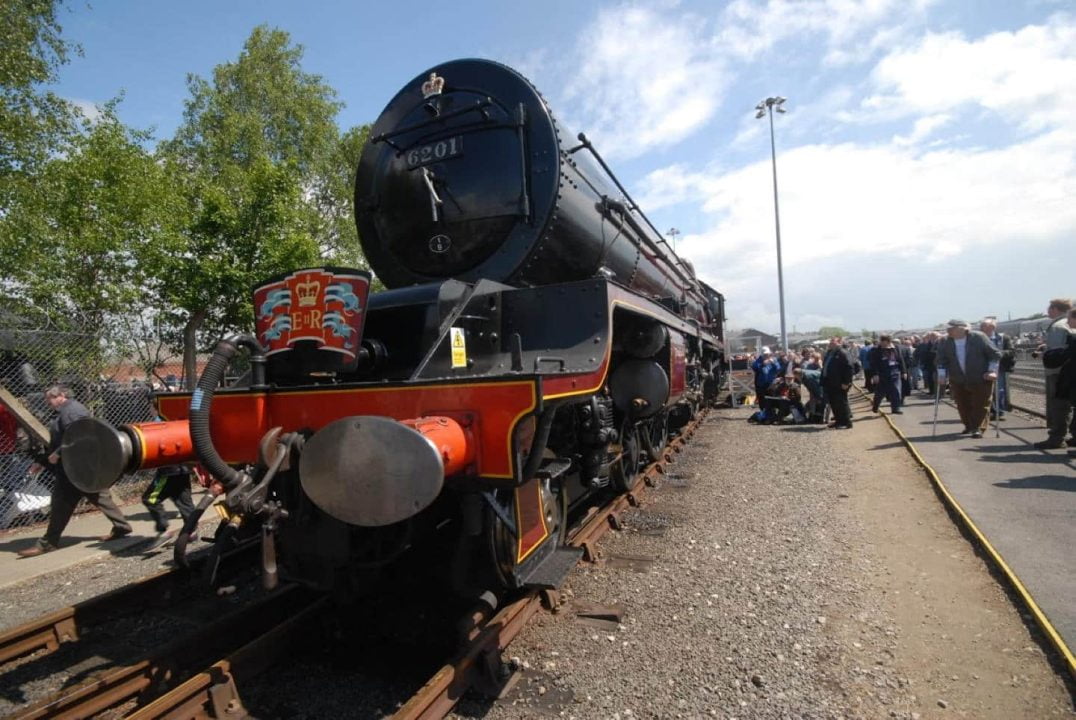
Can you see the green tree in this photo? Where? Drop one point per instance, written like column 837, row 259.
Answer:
column 832, row 331
column 34, row 124
column 257, row 161
column 85, row 240
column 335, row 198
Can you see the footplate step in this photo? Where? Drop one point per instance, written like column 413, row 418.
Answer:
column 554, row 569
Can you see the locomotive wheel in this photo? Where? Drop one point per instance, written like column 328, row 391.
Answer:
column 626, row 465
column 658, row 436
column 503, row 540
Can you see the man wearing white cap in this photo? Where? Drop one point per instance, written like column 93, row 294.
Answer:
column 969, row 361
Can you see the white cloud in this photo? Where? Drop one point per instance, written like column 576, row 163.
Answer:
column 645, row 80
column 951, row 150
column 649, row 76
column 924, row 127
column 750, row 28
column 1027, row 77
column 841, row 200
column 953, row 190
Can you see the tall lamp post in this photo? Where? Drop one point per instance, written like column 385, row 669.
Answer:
column 766, row 107
column 673, row 233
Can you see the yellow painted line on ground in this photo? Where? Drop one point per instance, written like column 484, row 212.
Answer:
column 999, row 562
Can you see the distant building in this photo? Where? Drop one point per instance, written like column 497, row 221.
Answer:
column 167, row 375
column 749, row 340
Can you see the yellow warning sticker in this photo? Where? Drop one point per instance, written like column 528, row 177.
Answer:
column 459, row 348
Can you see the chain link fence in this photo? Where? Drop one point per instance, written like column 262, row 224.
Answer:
column 112, row 388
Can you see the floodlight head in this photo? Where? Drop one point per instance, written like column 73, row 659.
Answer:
column 779, row 100
column 760, row 114
column 781, row 109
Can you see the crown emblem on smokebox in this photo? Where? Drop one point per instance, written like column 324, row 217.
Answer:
column 308, row 293
column 433, row 86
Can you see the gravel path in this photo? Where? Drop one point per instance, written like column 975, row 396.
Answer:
column 777, row 577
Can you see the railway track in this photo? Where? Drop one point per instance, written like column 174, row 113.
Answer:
column 140, row 620
column 1027, row 391
column 200, row 674
column 45, row 634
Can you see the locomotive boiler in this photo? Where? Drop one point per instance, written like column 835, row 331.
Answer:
column 538, row 341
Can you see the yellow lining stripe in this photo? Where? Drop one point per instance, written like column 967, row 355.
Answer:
column 1041, row 620
column 141, row 443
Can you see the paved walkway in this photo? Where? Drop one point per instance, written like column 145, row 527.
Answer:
column 79, row 542
column 1022, row 499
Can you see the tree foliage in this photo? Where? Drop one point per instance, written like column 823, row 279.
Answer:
column 257, row 180
column 832, row 331
column 86, row 238
column 33, row 123
column 257, row 159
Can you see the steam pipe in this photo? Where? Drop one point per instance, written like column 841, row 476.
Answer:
column 202, row 402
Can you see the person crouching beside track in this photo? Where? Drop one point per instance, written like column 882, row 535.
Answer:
column 969, row 361
column 836, row 379
column 812, row 380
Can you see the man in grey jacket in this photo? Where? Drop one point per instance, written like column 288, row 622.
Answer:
column 65, row 495
column 1058, row 410
column 969, row 361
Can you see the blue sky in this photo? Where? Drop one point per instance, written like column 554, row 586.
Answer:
column 926, row 166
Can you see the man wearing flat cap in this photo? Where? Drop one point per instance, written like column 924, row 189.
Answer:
column 969, row 361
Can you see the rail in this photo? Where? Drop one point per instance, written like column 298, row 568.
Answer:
column 162, row 670
column 66, row 625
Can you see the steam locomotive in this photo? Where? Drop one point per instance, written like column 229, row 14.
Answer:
column 538, row 341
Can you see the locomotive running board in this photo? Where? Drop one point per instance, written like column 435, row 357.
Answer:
column 551, row 572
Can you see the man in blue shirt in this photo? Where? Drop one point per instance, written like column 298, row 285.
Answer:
column 767, row 370
column 865, row 363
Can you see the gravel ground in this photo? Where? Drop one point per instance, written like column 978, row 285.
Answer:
column 786, row 572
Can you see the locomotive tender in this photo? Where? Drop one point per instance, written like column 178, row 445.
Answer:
column 538, row 342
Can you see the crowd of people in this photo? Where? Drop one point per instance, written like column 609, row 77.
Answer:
column 970, row 365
